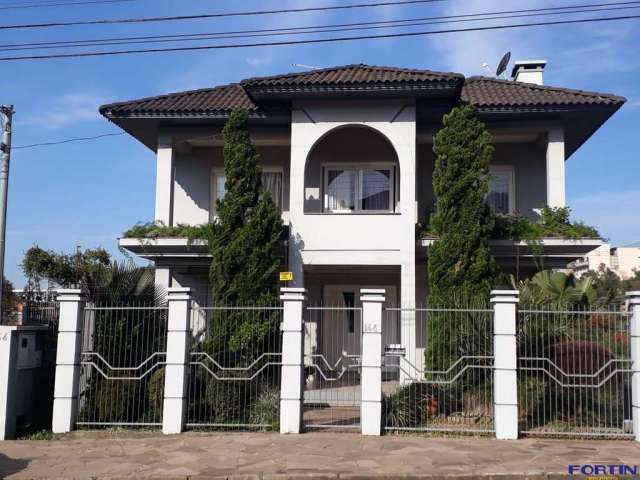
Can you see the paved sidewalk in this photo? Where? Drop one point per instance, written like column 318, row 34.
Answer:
column 310, row 456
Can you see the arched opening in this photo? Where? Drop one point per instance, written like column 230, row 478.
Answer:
column 352, row 169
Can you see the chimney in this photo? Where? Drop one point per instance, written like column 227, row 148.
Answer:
column 529, row 71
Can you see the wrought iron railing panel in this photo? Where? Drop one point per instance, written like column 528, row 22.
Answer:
column 235, row 361
column 574, row 369
column 438, row 374
column 122, row 365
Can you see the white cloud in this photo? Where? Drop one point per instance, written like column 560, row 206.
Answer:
column 614, row 213
column 66, row 110
column 465, row 52
column 221, row 66
column 573, row 50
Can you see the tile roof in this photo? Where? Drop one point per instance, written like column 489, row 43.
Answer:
column 493, row 92
column 479, row 91
column 352, row 74
column 218, row 100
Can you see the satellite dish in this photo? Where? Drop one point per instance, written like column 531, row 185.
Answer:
column 502, row 66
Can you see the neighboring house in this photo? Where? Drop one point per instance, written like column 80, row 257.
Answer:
column 347, row 154
column 623, row 261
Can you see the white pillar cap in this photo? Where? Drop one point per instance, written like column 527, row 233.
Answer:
column 293, row 293
column 178, row 293
column 372, row 295
column 505, row 296
column 70, row 295
column 633, row 297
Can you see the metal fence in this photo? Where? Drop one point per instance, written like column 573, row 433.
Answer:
column 122, row 357
column 332, row 360
column 235, row 361
column 574, row 372
column 445, row 382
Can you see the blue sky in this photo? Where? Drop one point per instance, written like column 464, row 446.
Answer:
column 88, row 193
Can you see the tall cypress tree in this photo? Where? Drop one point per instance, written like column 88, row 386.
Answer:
column 460, row 267
column 245, row 239
column 460, row 261
column 248, row 229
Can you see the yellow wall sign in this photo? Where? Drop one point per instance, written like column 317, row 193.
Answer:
column 286, row 276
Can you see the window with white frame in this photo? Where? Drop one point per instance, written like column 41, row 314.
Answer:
column 272, row 181
column 359, row 188
column 502, row 189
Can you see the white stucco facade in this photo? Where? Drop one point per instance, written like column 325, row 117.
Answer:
column 333, row 130
column 352, row 238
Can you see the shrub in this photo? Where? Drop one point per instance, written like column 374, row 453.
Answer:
column 266, row 409
column 553, row 222
column 411, row 405
column 155, row 394
column 152, row 230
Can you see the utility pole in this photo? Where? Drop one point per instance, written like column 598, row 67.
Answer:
column 5, row 156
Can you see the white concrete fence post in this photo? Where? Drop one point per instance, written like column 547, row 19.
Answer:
column 292, row 368
column 371, row 363
column 505, row 375
column 8, row 362
column 17, row 379
column 177, row 364
column 633, row 303
column 65, row 395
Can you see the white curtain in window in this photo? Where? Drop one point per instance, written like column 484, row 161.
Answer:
column 341, row 190
column 272, row 182
column 499, row 191
column 221, row 190
column 375, row 189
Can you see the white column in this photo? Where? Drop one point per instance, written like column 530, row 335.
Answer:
column 164, row 181
column 176, row 368
column 410, row 362
column 505, row 378
column 65, row 401
column 555, row 167
column 371, row 375
column 292, row 369
column 633, row 302
column 162, row 278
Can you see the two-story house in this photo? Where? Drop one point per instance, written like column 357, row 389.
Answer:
column 347, row 154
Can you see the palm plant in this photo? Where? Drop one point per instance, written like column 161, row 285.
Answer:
column 119, row 282
column 556, row 289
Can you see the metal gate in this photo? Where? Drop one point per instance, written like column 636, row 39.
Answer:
column 235, row 362
column 574, row 370
column 122, row 356
column 332, row 361
column 445, row 382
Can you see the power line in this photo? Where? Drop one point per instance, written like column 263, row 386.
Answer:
column 345, row 27
column 319, row 40
column 68, row 140
column 216, row 15
column 18, row 6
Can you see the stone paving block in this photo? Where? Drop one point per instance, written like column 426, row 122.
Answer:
column 300, row 476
